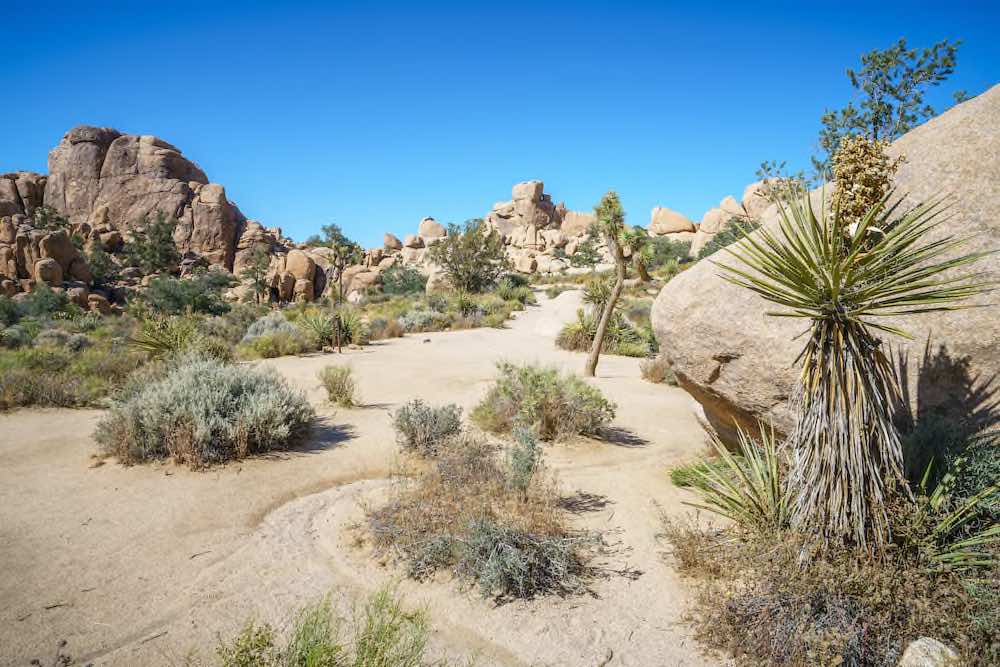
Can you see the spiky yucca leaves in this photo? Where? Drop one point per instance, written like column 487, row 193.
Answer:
column 749, row 489
column 846, row 281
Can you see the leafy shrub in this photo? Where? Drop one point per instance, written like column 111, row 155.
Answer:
column 422, row 320
column 554, row 405
column 733, row 231
column 555, row 290
column 472, row 258
column 663, row 251
column 52, row 338
column 203, row 412
column 423, row 428
column 9, row 312
column 63, row 377
column 152, row 246
column 523, row 459
column 508, row 291
column 321, row 326
column 339, row 384
column 165, row 336
column 382, row 634
column 381, row 329
column 43, row 302
column 403, row 279
column 274, row 336
column 657, row 370
column 471, row 513
column 688, row 475
column 201, row 293
column 353, row 328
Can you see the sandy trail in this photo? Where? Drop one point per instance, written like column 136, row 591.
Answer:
column 149, row 565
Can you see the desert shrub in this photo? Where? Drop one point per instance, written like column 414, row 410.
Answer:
column 15, row 336
column 553, row 404
column 43, row 302
column 320, row 326
column 338, row 381
column 467, row 513
column 523, row 459
column 165, row 336
column 202, row 412
column 380, row 329
column 555, row 290
column 200, row 293
column 689, row 474
column 764, row 601
column 274, row 336
column 353, row 328
column 472, row 258
column 508, row 291
column 423, row 428
column 50, row 376
column 152, row 246
column 657, row 370
column 438, row 302
column 622, row 337
column 733, row 231
column 9, row 313
column 422, row 320
column 52, row 338
column 382, row 634
column 663, row 251
column 403, row 279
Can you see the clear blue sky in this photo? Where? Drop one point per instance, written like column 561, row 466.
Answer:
column 373, row 116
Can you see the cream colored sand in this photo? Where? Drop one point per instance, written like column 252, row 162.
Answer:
column 150, row 564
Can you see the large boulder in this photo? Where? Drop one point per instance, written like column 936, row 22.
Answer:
column 391, row 242
column 663, row 220
column 100, row 173
column 49, row 272
column 21, row 192
column 300, row 265
column 739, row 363
column 576, row 223
column 431, row 229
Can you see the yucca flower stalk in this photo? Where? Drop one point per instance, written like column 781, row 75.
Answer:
column 847, row 280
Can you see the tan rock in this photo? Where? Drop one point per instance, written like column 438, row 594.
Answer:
column 528, row 191
column 48, row 271
column 413, row 255
column 391, row 242
column 57, row 246
column 80, row 270
column 431, row 229
column 576, row 223
column 8, row 287
column 713, row 221
column 413, row 241
column 732, row 208
column 928, row 652
column 740, row 364
column 300, row 265
column 663, row 220
column 525, row 263
column 303, row 290
column 98, row 303
column 79, row 296
column 8, row 230
column 8, row 263
column 284, row 283
column 754, row 199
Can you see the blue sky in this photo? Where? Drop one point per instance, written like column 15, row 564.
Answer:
column 375, row 115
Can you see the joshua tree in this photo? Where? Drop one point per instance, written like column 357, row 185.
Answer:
column 847, row 281
column 611, row 221
column 637, row 241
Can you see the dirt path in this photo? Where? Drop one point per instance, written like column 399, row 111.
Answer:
column 149, row 565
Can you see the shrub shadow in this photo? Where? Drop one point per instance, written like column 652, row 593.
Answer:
column 622, row 437
column 950, row 409
column 322, row 436
column 582, row 502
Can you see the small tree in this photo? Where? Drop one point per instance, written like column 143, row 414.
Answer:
column 472, row 256
column 255, row 273
column 102, row 267
column 152, row 247
column 586, row 255
column 611, row 222
column 892, row 84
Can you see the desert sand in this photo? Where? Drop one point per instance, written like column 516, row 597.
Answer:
column 149, row 565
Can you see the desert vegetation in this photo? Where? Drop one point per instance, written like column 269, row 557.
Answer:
column 201, row 411
column 553, row 404
column 488, row 513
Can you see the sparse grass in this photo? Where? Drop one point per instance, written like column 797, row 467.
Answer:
column 423, row 428
column 203, row 411
column 487, row 518
column 553, row 404
column 381, row 634
column 340, row 386
column 687, row 475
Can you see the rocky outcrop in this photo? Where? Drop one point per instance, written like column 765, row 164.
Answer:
column 664, row 221
column 21, row 193
column 106, row 178
column 739, row 363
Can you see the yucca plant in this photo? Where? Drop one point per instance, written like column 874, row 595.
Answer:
column 321, row 326
column 846, row 280
column 978, row 549
column 749, row 489
column 160, row 336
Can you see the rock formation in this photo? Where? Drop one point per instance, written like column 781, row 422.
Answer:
column 739, row 363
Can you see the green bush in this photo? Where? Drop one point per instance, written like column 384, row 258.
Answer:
column 274, row 336
column 663, row 251
column 43, row 302
column 52, row 376
column 423, row 428
column 472, row 258
column 339, row 384
column 201, row 293
column 152, row 246
column 621, row 337
column 552, row 404
column 9, row 312
column 203, row 412
column 401, row 279
column 523, row 459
